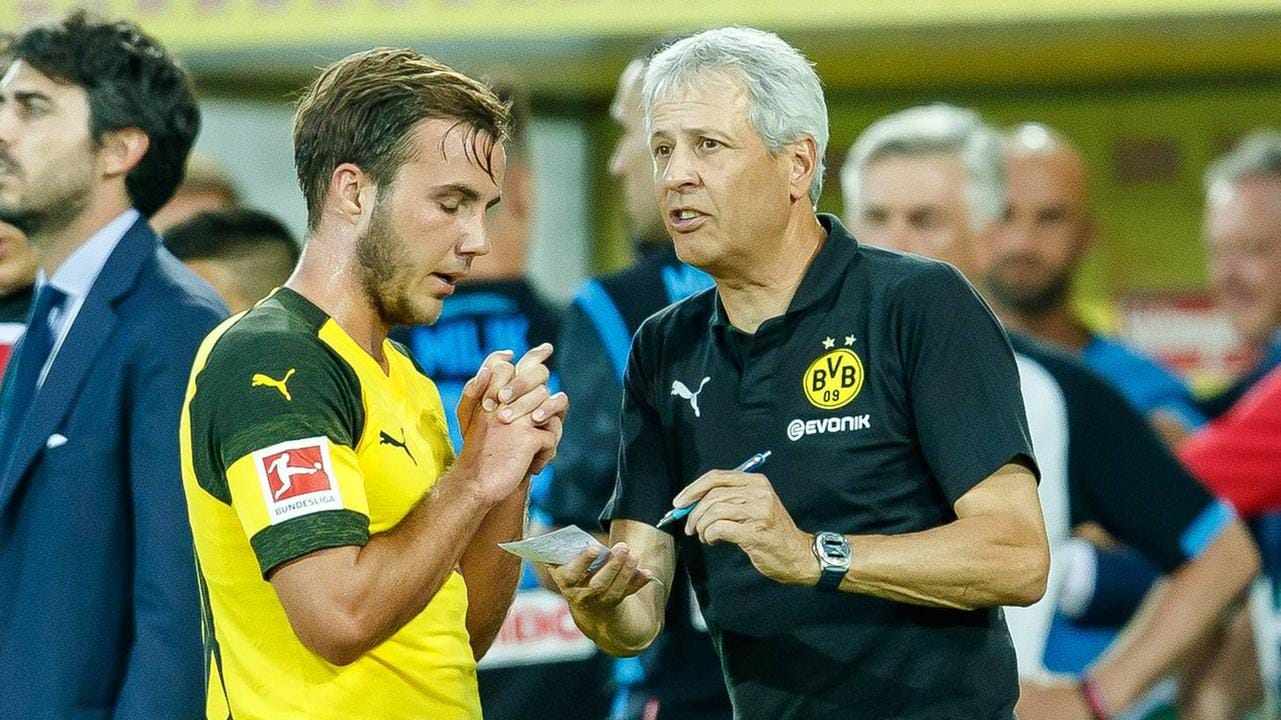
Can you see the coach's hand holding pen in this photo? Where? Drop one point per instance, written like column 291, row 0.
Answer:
column 749, row 465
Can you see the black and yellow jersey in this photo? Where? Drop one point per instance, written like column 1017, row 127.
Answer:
column 294, row 439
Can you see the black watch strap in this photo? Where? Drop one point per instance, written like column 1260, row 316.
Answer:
column 830, row 580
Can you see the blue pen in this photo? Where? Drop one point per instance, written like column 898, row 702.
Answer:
column 750, row 464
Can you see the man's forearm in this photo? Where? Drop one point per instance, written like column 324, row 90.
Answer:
column 377, row 589
column 630, row 626
column 493, row 574
column 1177, row 618
column 969, row 563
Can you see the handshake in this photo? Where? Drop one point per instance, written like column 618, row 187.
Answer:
column 511, row 422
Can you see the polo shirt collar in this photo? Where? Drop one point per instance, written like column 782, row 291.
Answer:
column 823, row 276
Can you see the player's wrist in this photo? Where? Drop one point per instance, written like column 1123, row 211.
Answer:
column 464, row 483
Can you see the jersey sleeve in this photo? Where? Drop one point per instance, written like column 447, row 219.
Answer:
column 961, row 379
column 1124, row 477
column 281, row 417
column 1238, row 456
column 644, row 488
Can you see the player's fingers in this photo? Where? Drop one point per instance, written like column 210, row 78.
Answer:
column 503, row 372
column 544, row 457
column 524, row 381
column 725, row 509
column 535, row 356
column 555, row 407
column 524, row 404
column 472, row 393
column 704, row 506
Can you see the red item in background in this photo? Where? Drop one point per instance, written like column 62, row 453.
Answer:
column 9, row 334
column 1238, row 456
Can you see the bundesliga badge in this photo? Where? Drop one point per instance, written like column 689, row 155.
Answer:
column 835, row 378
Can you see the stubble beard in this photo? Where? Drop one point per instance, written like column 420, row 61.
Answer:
column 385, row 285
column 1032, row 302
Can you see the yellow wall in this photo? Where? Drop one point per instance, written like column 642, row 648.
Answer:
column 1149, row 232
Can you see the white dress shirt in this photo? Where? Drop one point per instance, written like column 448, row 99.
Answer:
column 76, row 276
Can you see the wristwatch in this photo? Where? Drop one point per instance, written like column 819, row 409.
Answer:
column 833, row 553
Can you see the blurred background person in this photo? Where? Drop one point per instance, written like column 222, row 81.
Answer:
column 931, row 180
column 497, row 307
column 679, row 677
column 243, row 254
column 207, row 186
column 17, row 278
column 1031, row 259
column 1243, row 233
column 100, row 613
column 1034, row 257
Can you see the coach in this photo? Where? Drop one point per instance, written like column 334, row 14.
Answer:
column 861, row 568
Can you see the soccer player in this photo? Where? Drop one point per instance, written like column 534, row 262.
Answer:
column 499, row 307
column 360, row 575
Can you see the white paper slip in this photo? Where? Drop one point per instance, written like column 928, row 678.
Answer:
column 556, row 548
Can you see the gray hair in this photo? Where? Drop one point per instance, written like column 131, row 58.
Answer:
column 931, row 129
column 1258, row 155
column 784, row 95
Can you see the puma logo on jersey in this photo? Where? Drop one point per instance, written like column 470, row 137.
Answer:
column 679, row 388
column 260, row 380
column 385, row 439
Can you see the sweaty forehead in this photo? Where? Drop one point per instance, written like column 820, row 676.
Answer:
column 448, row 152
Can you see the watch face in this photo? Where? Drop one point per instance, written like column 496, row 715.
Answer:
column 834, row 547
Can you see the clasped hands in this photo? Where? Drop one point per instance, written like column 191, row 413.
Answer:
column 511, row 422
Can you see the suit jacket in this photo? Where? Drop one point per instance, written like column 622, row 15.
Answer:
column 99, row 608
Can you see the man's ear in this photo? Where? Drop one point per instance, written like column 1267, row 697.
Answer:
column 802, row 164
column 121, row 150
column 351, row 197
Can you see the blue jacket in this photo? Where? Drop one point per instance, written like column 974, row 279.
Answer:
column 99, row 609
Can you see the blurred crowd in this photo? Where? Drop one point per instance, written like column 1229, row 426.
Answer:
column 1126, row 449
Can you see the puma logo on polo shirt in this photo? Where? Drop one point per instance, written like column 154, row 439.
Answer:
column 679, row 388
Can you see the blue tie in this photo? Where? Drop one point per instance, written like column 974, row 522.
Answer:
column 28, row 361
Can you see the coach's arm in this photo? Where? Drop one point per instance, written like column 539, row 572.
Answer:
column 994, row 553
column 621, row 605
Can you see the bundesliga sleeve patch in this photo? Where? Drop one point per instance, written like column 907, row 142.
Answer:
column 297, row 478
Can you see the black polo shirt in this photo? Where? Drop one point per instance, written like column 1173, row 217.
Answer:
column 885, row 392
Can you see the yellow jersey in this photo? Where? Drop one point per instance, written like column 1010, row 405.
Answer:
column 293, row 439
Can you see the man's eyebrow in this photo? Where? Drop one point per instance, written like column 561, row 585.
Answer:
column 467, row 192
column 26, row 96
